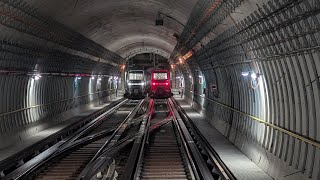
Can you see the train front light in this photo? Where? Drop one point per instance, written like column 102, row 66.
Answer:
column 136, row 84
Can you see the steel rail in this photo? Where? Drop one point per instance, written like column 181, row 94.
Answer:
column 65, row 149
column 140, row 155
column 144, row 141
column 184, row 145
column 218, row 163
column 31, row 151
column 293, row 134
column 104, row 154
column 198, row 163
column 121, row 128
column 28, row 166
column 138, row 146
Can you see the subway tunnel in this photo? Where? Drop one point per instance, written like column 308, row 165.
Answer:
column 247, row 72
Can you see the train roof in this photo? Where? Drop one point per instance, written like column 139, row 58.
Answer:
column 160, row 70
column 135, row 71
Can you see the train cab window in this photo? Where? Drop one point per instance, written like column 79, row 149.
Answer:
column 136, row 76
column 160, row 76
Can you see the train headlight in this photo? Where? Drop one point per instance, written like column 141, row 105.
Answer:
column 136, row 84
column 140, row 84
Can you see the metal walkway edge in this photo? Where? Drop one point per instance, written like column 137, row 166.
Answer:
column 239, row 164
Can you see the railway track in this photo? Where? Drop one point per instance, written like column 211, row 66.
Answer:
column 67, row 161
column 10, row 164
column 71, row 164
column 172, row 149
column 145, row 140
column 163, row 158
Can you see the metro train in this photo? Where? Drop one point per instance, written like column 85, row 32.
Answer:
column 140, row 83
column 160, row 84
column 135, row 85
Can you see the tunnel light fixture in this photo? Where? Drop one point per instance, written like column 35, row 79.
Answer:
column 123, row 67
column 188, row 55
column 37, row 77
column 254, row 76
column 180, row 60
column 245, row 74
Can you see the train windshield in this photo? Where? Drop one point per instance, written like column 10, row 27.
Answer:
column 138, row 75
column 160, row 76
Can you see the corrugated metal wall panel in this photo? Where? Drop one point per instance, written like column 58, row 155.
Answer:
column 49, row 95
column 281, row 41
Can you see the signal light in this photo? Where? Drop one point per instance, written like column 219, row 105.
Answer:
column 167, row 84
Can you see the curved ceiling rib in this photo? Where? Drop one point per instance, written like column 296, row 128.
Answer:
column 104, row 21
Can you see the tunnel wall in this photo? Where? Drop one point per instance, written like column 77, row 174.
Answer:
column 27, row 102
column 280, row 41
column 33, row 43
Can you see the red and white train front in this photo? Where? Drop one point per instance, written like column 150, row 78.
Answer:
column 160, row 84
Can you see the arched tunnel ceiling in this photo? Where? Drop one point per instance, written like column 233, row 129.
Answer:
column 277, row 41
column 117, row 24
